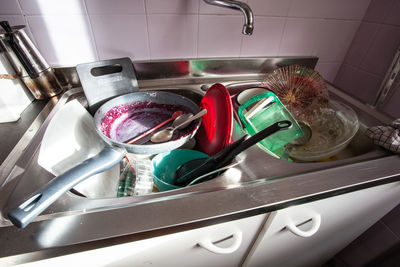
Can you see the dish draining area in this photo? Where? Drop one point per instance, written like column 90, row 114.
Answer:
column 258, row 183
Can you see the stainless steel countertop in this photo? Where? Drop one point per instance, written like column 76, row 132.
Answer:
column 257, row 185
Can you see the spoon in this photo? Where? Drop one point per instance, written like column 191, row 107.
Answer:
column 307, row 133
column 174, row 116
column 182, row 118
column 166, row 134
column 302, row 140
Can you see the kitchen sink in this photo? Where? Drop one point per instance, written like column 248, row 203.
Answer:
column 254, row 164
column 258, row 181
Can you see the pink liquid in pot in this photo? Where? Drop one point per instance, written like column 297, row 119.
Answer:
column 124, row 122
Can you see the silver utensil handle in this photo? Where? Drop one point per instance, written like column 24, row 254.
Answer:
column 44, row 197
column 195, row 117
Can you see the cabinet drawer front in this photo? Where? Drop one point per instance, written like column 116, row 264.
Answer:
column 311, row 233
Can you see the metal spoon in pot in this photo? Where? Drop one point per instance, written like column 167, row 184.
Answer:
column 182, row 118
column 166, row 134
column 174, row 116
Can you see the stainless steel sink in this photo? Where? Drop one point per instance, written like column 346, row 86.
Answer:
column 258, row 183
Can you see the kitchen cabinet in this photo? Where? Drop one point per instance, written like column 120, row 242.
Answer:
column 302, row 235
column 224, row 244
column 311, row 233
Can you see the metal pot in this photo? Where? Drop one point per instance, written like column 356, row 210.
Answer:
column 111, row 154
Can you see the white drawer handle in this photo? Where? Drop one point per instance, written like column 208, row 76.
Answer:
column 316, row 223
column 237, row 240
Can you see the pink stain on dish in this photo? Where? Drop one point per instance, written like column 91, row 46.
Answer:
column 124, row 122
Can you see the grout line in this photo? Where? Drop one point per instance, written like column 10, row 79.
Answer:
column 91, row 30
column 11, row 14
column 360, row 69
column 281, row 39
column 150, row 57
column 24, row 16
column 20, row 7
column 382, row 23
column 198, row 29
column 389, row 229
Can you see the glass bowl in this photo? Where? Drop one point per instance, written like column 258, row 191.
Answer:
column 333, row 127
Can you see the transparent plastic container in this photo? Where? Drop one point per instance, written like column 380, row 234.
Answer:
column 144, row 174
column 136, row 178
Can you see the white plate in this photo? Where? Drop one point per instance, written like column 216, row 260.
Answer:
column 248, row 93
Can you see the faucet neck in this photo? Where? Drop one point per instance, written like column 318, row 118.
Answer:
column 243, row 7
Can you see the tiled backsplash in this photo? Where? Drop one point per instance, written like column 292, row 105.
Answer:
column 69, row 32
column 371, row 53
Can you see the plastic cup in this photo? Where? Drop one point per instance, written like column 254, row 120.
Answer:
column 166, row 164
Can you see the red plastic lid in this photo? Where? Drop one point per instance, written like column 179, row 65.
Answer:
column 215, row 132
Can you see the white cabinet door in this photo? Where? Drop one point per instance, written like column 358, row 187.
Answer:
column 310, row 234
column 224, row 244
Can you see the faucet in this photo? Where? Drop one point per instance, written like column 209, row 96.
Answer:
column 246, row 10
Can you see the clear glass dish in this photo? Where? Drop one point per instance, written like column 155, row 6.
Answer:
column 333, row 127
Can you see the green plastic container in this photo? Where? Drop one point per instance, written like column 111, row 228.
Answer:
column 166, row 164
column 262, row 110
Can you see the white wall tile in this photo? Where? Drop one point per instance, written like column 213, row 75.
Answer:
column 173, row 36
column 270, row 7
column 393, row 16
column 333, row 38
column 115, row 6
column 298, row 37
column 13, row 20
column 172, row 6
column 345, row 9
column 338, row 9
column 328, row 70
column 171, row 29
column 378, row 10
column 307, row 8
column 121, row 36
column 9, row 7
column 382, row 50
column 362, row 41
column 266, row 37
column 51, row 7
column 63, row 40
column 219, row 36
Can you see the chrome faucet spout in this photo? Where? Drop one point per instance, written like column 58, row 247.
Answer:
column 246, row 10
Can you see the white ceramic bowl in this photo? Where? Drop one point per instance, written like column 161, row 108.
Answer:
column 243, row 96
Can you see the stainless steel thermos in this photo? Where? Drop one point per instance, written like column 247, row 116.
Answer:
column 28, row 63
